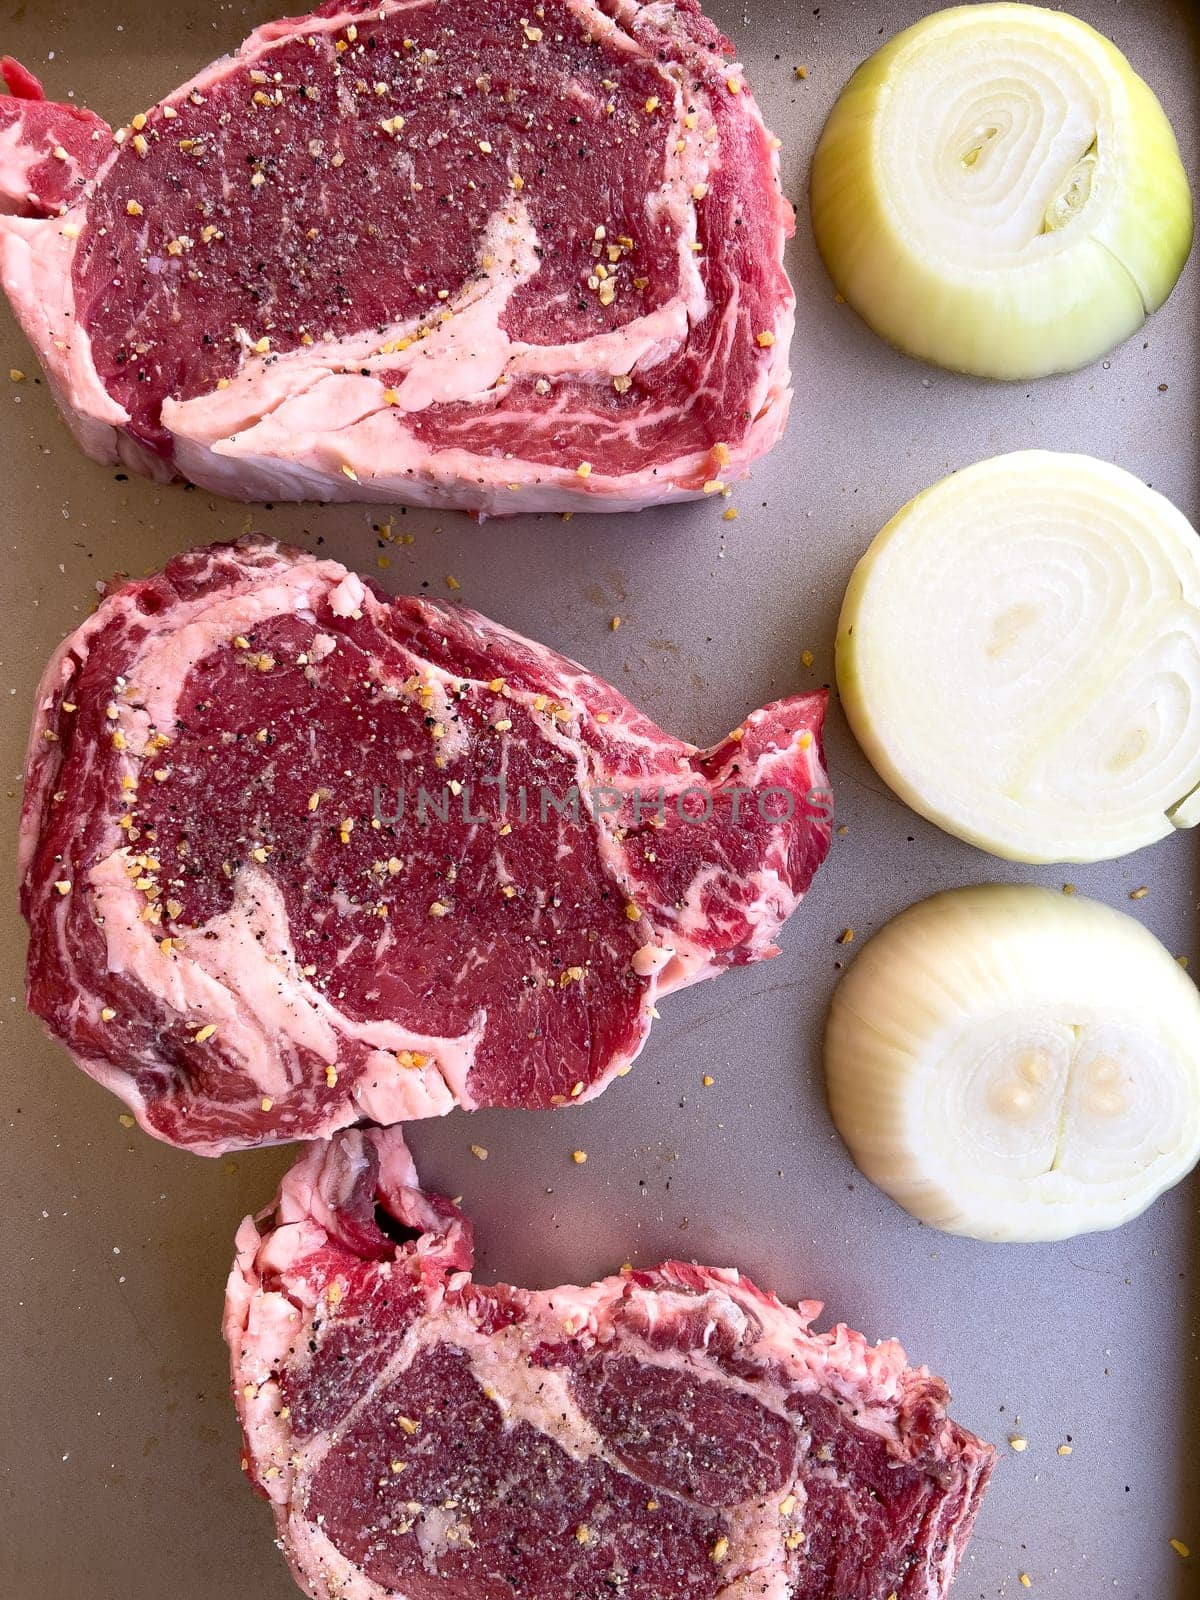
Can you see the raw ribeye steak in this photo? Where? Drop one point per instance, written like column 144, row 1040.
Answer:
column 673, row 1434
column 499, row 256
column 297, row 855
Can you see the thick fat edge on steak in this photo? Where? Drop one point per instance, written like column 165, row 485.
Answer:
column 195, row 1032
column 687, row 1414
column 318, row 422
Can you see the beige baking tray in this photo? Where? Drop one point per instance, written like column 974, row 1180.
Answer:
column 120, row 1475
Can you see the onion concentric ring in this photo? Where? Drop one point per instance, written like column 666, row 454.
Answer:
column 1019, row 657
column 997, row 191
column 1013, row 1064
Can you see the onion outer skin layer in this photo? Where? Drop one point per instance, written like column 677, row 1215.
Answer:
column 1012, row 1064
column 1018, row 654
column 924, row 240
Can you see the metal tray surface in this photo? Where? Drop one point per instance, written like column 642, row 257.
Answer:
column 120, row 1475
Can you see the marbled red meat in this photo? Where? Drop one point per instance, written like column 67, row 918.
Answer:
column 672, row 1434
column 417, row 250
column 47, row 152
column 296, row 854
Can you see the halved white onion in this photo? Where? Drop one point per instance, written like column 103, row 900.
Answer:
column 997, row 191
column 1019, row 657
column 1014, row 1064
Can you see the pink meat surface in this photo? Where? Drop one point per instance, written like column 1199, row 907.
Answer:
column 446, row 254
column 672, row 1434
column 296, row 854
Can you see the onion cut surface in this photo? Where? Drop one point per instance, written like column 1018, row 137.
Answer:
column 1014, row 1064
column 997, row 191
column 1018, row 655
